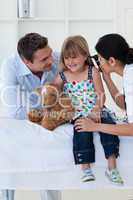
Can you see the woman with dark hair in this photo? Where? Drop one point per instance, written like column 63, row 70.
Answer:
column 115, row 55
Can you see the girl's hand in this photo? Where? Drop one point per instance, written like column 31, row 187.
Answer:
column 96, row 114
column 85, row 124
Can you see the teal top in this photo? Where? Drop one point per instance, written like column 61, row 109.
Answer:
column 82, row 94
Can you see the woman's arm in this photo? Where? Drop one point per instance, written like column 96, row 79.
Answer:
column 118, row 129
column 99, row 89
column 117, row 97
column 85, row 124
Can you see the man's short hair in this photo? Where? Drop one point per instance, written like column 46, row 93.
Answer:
column 29, row 44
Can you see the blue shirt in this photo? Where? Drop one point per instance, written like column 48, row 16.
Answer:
column 17, row 83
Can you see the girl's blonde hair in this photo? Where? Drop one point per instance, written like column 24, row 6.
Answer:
column 73, row 46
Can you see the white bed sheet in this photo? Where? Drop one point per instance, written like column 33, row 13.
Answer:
column 33, row 157
column 27, row 147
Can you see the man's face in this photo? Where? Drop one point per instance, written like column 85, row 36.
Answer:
column 42, row 60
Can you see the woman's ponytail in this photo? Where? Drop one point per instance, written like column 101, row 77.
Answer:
column 114, row 45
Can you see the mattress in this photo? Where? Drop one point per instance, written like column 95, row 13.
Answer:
column 32, row 157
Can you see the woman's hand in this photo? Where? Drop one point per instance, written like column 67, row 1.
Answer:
column 85, row 124
column 106, row 76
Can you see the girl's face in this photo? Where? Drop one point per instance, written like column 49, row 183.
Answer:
column 75, row 63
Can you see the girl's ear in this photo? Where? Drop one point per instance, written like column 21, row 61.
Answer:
column 86, row 59
column 112, row 61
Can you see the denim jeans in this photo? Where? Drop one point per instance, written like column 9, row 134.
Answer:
column 83, row 146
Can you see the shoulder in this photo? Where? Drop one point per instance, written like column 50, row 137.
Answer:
column 9, row 70
column 56, row 56
column 128, row 79
column 8, row 65
column 9, row 60
column 95, row 72
column 128, row 73
column 58, row 81
column 55, row 65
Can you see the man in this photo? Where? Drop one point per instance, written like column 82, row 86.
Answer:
column 31, row 66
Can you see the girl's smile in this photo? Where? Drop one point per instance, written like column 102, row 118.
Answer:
column 75, row 63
